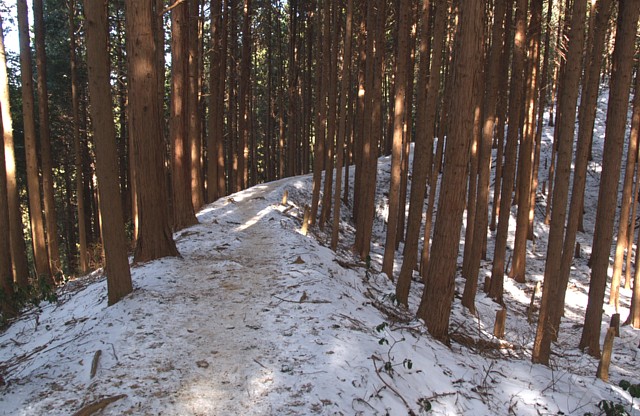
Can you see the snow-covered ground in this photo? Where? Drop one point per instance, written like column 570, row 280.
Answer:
column 258, row 319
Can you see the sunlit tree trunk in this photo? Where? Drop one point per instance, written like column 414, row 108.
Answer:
column 6, row 275
column 16, row 236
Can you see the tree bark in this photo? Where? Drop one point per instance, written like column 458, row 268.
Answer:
column 183, row 206
column 155, row 239
column 627, row 201
column 112, row 223
column 16, row 236
column 45, row 143
column 427, row 101
column 43, row 271
column 612, row 155
column 518, row 265
column 435, row 307
column 345, row 84
column 6, row 275
column 556, row 243
column 77, row 145
column 484, row 176
column 508, row 172
column 404, row 36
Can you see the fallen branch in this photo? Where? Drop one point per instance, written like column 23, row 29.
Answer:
column 94, row 363
column 374, row 358
column 98, row 405
column 301, row 300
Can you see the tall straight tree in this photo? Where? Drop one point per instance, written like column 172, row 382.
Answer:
column 332, row 40
column 215, row 138
column 404, row 35
column 16, row 236
column 484, row 174
column 6, row 275
column 33, row 183
column 154, row 236
column 427, row 101
column 508, row 172
column 183, row 208
column 112, row 223
column 345, row 83
column 525, row 169
column 622, row 65
column 552, row 299
column 603, row 12
column 193, row 104
column 45, row 141
column 243, row 98
column 321, row 107
column 77, row 145
column 435, row 306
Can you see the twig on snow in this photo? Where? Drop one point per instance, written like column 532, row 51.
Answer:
column 374, row 358
column 98, row 405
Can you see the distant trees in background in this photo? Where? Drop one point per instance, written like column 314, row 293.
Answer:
column 258, row 90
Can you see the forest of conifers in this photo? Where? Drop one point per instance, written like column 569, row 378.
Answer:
column 122, row 119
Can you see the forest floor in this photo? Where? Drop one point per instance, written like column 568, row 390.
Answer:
column 257, row 319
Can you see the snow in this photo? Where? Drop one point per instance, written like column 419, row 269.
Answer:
column 259, row 319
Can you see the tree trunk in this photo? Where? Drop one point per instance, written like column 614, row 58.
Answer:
column 16, row 236
column 243, row 99
column 435, row 307
column 612, row 155
column 112, row 223
column 402, row 58
column 183, row 208
column 6, row 275
column 45, row 143
column 541, row 106
column 484, row 176
column 155, row 239
column 77, row 146
column 428, row 99
column 41, row 256
column 193, row 105
column 557, row 245
column 345, row 84
column 518, row 265
column 501, row 115
column 627, row 200
column 332, row 92
column 508, row 173
column 321, row 110
column 216, row 104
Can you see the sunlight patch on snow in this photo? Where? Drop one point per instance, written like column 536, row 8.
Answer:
column 253, row 220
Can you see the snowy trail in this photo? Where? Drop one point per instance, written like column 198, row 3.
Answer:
column 245, row 323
